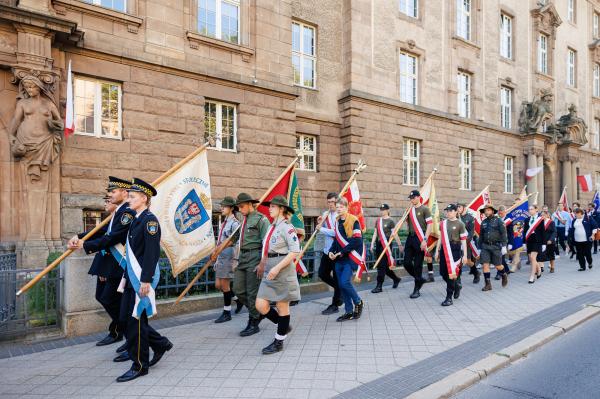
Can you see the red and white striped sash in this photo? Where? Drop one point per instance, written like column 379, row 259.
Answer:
column 452, row 265
column 547, row 224
column 353, row 255
column 415, row 224
column 383, row 241
column 474, row 248
column 532, row 228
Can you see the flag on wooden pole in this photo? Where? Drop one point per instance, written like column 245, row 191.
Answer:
column 69, row 111
column 523, row 194
column 482, row 199
column 429, row 199
column 585, row 182
column 355, row 208
column 564, row 201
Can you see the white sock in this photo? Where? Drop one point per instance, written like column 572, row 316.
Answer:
column 227, row 308
column 280, row 337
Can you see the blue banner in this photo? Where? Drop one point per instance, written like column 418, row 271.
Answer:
column 596, row 201
column 517, row 214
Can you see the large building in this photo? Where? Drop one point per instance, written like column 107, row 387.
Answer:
column 480, row 90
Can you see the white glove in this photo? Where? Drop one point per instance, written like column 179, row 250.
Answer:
column 509, row 247
column 543, row 248
column 503, row 250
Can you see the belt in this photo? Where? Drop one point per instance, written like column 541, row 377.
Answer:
column 455, row 242
column 250, row 250
column 491, row 243
column 275, row 255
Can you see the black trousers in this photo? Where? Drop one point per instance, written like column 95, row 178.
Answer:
column 584, row 253
column 450, row 284
column 413, row 259
column 383, row 268
column 562, row 240
column 110, row 299
column 140, row 335
column 328, row 276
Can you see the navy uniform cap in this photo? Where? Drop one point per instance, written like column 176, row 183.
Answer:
column 451, row 207
column 115, row 182
column 384, row 207
column 142, row 187
column 413, row 194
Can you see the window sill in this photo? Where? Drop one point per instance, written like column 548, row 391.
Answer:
column 465, row 43
column 408, row 18
column 119, row 138
column 508, row 61
column 222, row 150
column 545, row 76
column 306, row 87
column 574, row 89
column 133, row 23
column 195, row 40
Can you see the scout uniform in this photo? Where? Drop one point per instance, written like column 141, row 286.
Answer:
column 245, row 283
column 452, row 234
column 227, row 259
column 280, row 240
column 472, row 251
column 492, row 240
column 142, row 253
column 419, row 218
column 383, row 231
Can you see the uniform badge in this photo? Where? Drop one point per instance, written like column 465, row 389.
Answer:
column 295, row 238
column 152, row 227
column 126, row 219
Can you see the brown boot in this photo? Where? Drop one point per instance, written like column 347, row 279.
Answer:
column 487, row 286
column 504, row 280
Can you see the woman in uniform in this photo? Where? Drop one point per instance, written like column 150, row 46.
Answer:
column 549, row 245
column 383, row 229
column 225, row 262
column 534, row 239
column 279, row 282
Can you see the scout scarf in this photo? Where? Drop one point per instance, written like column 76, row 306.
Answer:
column 267, row 240
column 415, row 224
column 383, row 241
column 533, row 226
column 353, row 255
column 134, row 271
column 452, row 265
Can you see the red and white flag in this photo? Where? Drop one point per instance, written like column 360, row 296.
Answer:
column 69, row 120
column 482, row 199
column 564, row 200
column 355, row 208
column 532, row 172
column 585, row 182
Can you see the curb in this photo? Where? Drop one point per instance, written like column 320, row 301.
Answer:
column 463, row 379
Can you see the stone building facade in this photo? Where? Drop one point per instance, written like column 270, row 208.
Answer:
column 480, row 90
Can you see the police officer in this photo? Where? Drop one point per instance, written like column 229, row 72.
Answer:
column 108, row 263
column 279, row 283
column 250, row 268
column 469, row 222
column 451, row 251
column 419, row 229
column 492, row 243
column 225, row 260
column 143, row 252
column 383, row 229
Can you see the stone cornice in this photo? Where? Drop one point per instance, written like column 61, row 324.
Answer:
column 25, row 17
column 195, row 40
column 132, row 22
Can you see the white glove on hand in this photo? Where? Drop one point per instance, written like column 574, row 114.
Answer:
column 509, row 247
column 503, row 250
column 543, row 248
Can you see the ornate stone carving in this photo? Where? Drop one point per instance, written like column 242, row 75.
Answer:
column 546, row 19
column 535, row 113
column 573, row 129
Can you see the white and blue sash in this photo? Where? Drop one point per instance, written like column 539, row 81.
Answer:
column 116, row 250
column 134, row 272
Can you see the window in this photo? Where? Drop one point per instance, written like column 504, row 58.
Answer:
column 595, row 135
column 596, row 25
column 465, row 168
column 506, row 107
column 117, row 5
column 310, row 223
column 463, row 19
column 464, row 95
column 92, row 218
column 97, row 108
column 542, row 59
column 410, row 162
column 597, row 180
column 219, row 19
column 304, row 58
column 220, row 125
column 571, row 64
column 571, row 10
column 307, row 145
column 409, row 7
column 505, row 36
column 596, row 85
column 508, row 174
column 408, row 78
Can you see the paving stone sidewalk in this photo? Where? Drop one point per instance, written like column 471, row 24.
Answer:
column 322, row 358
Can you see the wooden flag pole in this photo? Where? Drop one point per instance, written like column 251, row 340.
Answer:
column 226, row 243
column 68, row 252
column 359, row 168
column 399, row 224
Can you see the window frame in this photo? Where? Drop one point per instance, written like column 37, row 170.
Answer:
column 407, row 76
column 572, row 11
column 506, row 107
column 218, row 23
column 509, row 176
column 301, row 161
column 463, row 167
column 596, row 80
column 464, row 19
column 303, row 55
column 506, row 36
column 595, row 139
column 99, row 4
column 464, row 94
column 542, row 54
column 595, row 25
column 219, row 125
column 98, row 108
column 571, row 67
column 408, row 161
column 415, row 7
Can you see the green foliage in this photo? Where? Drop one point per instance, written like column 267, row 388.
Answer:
column 41, row 299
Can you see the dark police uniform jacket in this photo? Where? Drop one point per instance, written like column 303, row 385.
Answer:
column 492, row 232
column 144, row 240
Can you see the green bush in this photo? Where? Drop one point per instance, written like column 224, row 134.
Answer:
column 44, row 292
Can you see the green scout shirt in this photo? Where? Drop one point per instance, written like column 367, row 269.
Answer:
column 423, row 217
column 255, row 229
column 388, row 226
column 456, row 229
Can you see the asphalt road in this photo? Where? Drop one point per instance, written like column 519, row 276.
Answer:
column 568, row 367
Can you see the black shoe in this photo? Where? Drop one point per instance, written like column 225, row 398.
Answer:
column 123, row 357
column 358, row 309
column 590, row 265
column 238, row 306
column 159, row 354
column 542, row 269
column 430, row 278
column 505, row 279
column 122, row 348
column 377, row 289
column 345, row 316
column 294, row 303
column 396, row 282
column 132, row 374
column 477, row 277
column 415, row 294
column 487, row 286
column 274, row 347
column 581, row 269
column 251, row 329
column 109, row 340
column 339, row 303
column 531, row 281
column 331, row 309
column 225, row 316
column 528, row 262
column 457, row 291
column 497, row 277
column 447, row 302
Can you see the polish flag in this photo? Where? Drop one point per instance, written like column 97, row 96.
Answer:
column 355, row 208
column 585, row 182
column 69, row 122
column 564, row 200
column 532, row 172
column 479, row 202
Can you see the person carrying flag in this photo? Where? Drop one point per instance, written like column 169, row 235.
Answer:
column 469, row 222
column 492, row 241
column 550, row 241
column 419, row 229
column 383, row 228
column 451, row 251
column 534, row 241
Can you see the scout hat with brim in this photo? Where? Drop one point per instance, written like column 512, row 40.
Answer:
column 115, row 182
column 228, row 201
column 280, row 200
column 488, row 206
column 140, row 186
column 243, row 197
